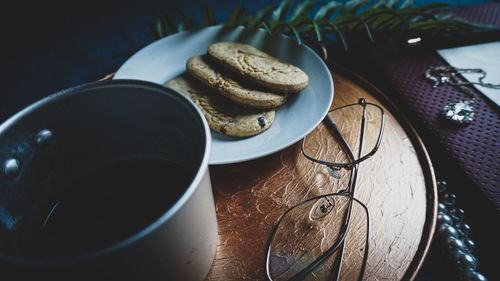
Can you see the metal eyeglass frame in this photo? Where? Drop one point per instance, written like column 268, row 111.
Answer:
column 348, row 192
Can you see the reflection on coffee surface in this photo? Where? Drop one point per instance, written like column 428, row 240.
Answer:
column 109, row 205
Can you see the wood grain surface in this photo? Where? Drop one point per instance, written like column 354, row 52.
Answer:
column 397, row 184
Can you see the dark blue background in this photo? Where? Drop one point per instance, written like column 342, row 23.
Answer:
column 51, row 46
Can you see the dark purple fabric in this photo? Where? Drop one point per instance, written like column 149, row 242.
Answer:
column 475, row 148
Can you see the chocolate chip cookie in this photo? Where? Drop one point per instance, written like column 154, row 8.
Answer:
column 259, row 67
column 223, row 115
column 237, row 90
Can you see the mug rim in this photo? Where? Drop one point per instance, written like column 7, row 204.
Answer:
column 202, row 168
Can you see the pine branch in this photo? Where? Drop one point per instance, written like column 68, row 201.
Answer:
column 309, row 18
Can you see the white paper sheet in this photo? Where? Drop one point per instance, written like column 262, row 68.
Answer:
column 485, row 56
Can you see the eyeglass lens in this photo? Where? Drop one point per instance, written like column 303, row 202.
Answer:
column 312, row 229
column 350, row 122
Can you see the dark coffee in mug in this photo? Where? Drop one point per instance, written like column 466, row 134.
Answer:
column 109, row 205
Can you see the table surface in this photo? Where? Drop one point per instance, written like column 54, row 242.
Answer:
column 397, row 184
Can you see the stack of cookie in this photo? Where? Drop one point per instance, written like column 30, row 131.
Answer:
column 238, row 87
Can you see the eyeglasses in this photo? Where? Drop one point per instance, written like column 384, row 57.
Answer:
column 314, row 232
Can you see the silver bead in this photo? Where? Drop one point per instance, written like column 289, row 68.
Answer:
column 457, row 213
column 462, row 226
column 469, row 244
column 447, row 230
column 442, row 208
column 441, row 186
column 444, row 219
column 44, row 138
column 11, row 168
column 449, row 199
column 472, row 275
column 454, row 244
column 465, row 260
column 461, row 235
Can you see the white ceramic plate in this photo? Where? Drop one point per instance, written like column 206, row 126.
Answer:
column 166, row 59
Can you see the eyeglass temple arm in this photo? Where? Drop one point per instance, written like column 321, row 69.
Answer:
column 363, row 102
column 379, row 140
column 362, row 127
column 352, row 183
column 353, row 180
column 350, row 190
column 338, row 136
column 338, row 260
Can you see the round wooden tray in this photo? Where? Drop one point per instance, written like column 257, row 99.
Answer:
column 397, row 184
